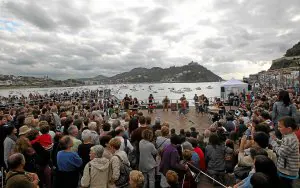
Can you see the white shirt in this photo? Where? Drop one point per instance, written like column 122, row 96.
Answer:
column 122, row 147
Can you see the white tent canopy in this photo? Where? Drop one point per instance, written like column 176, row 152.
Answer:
column 233, row 86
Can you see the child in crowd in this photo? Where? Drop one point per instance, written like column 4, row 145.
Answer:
column 194, row 133
column 45, row 139
column 287, row 151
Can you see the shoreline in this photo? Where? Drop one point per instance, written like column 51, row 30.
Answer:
column 32, row 86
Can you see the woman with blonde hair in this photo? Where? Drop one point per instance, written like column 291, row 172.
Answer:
column 23, row 146
column 118, row 159
column 136, row 179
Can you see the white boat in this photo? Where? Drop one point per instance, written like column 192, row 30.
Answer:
column 209, row 87
column 186, row 89
column 198, row 88
column 177, row 91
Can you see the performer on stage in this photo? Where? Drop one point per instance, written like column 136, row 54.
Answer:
column 150, row 103
column 166, row 102
column 126, row 102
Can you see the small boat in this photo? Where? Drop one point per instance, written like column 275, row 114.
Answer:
column 177, row 91
column 198, row 88
column 186, row 89
column 209, row 87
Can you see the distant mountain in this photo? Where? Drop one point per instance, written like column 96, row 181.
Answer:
column 193, row 72
column 294, row 51
column 96, row 78
column 290, row 58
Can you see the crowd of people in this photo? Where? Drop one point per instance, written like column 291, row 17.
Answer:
column 76, row 144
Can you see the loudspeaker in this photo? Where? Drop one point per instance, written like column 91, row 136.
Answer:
column 222, row 89
column 249, row 87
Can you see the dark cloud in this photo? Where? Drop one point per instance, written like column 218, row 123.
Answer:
column 31, row 13
column 68, row 39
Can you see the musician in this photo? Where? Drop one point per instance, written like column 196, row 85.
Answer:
column 135, row 103
column 150, row 103
column 166, row 102
column 126, row 102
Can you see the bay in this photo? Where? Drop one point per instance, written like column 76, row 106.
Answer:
column 140, row 91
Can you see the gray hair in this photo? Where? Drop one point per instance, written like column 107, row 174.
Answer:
column 116, row 123
column 187, row 145
column 71, row 129
column 114, row 116
column 92, row 126
column 15, row 160
column 123, row 116
column 86, row 135
column 98, row 150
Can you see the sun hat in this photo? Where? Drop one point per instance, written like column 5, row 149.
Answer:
column 23, row 130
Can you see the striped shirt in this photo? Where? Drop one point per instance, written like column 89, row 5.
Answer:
column 287, row 151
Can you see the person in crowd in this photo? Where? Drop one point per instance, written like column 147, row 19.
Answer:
column 133, row 124
column 287, row 151
column 194, row 133
column 163, row 140
column 265, row 165
column 171, row 160
column 119, row 158
column 73, row 132
column 214, row 157
column 136, row 135
column 136, row 179
column 157, row 124
column 96, row 172
column 9, row 142
column 200, row 153
column 125, row 143
column 189, row 180
column 68, row 164
column 23, row 146
column 166, row 102
column 45, row 139
column 84, row 148
column 283, row 107
column 172, row 179
column 17, row 176
column 23, row 131
column 94, row 135
column 147, row 162
column 195, row 159
column 105, row 129
column 104, row 140
column 42, row 160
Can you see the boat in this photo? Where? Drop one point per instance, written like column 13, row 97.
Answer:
column 209, row 87
column 186, row 89
column 177, row 91
column 198, row 88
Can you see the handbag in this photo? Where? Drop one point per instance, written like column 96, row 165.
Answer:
column 124, row 174
column 241, row 172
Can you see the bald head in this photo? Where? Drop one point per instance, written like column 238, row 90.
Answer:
column 15, row 161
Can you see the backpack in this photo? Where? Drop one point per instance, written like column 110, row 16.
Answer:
column 131, row 155
column 124, row 174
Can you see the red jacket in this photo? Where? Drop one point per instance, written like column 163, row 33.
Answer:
column 202, row 158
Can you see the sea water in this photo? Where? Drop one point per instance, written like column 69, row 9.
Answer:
column 140, row 91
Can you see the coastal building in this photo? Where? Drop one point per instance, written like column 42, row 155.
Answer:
column 6, row 83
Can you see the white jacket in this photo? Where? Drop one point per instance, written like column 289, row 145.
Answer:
column 96, row 173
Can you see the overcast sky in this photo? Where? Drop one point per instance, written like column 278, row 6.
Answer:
column 85, row 38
